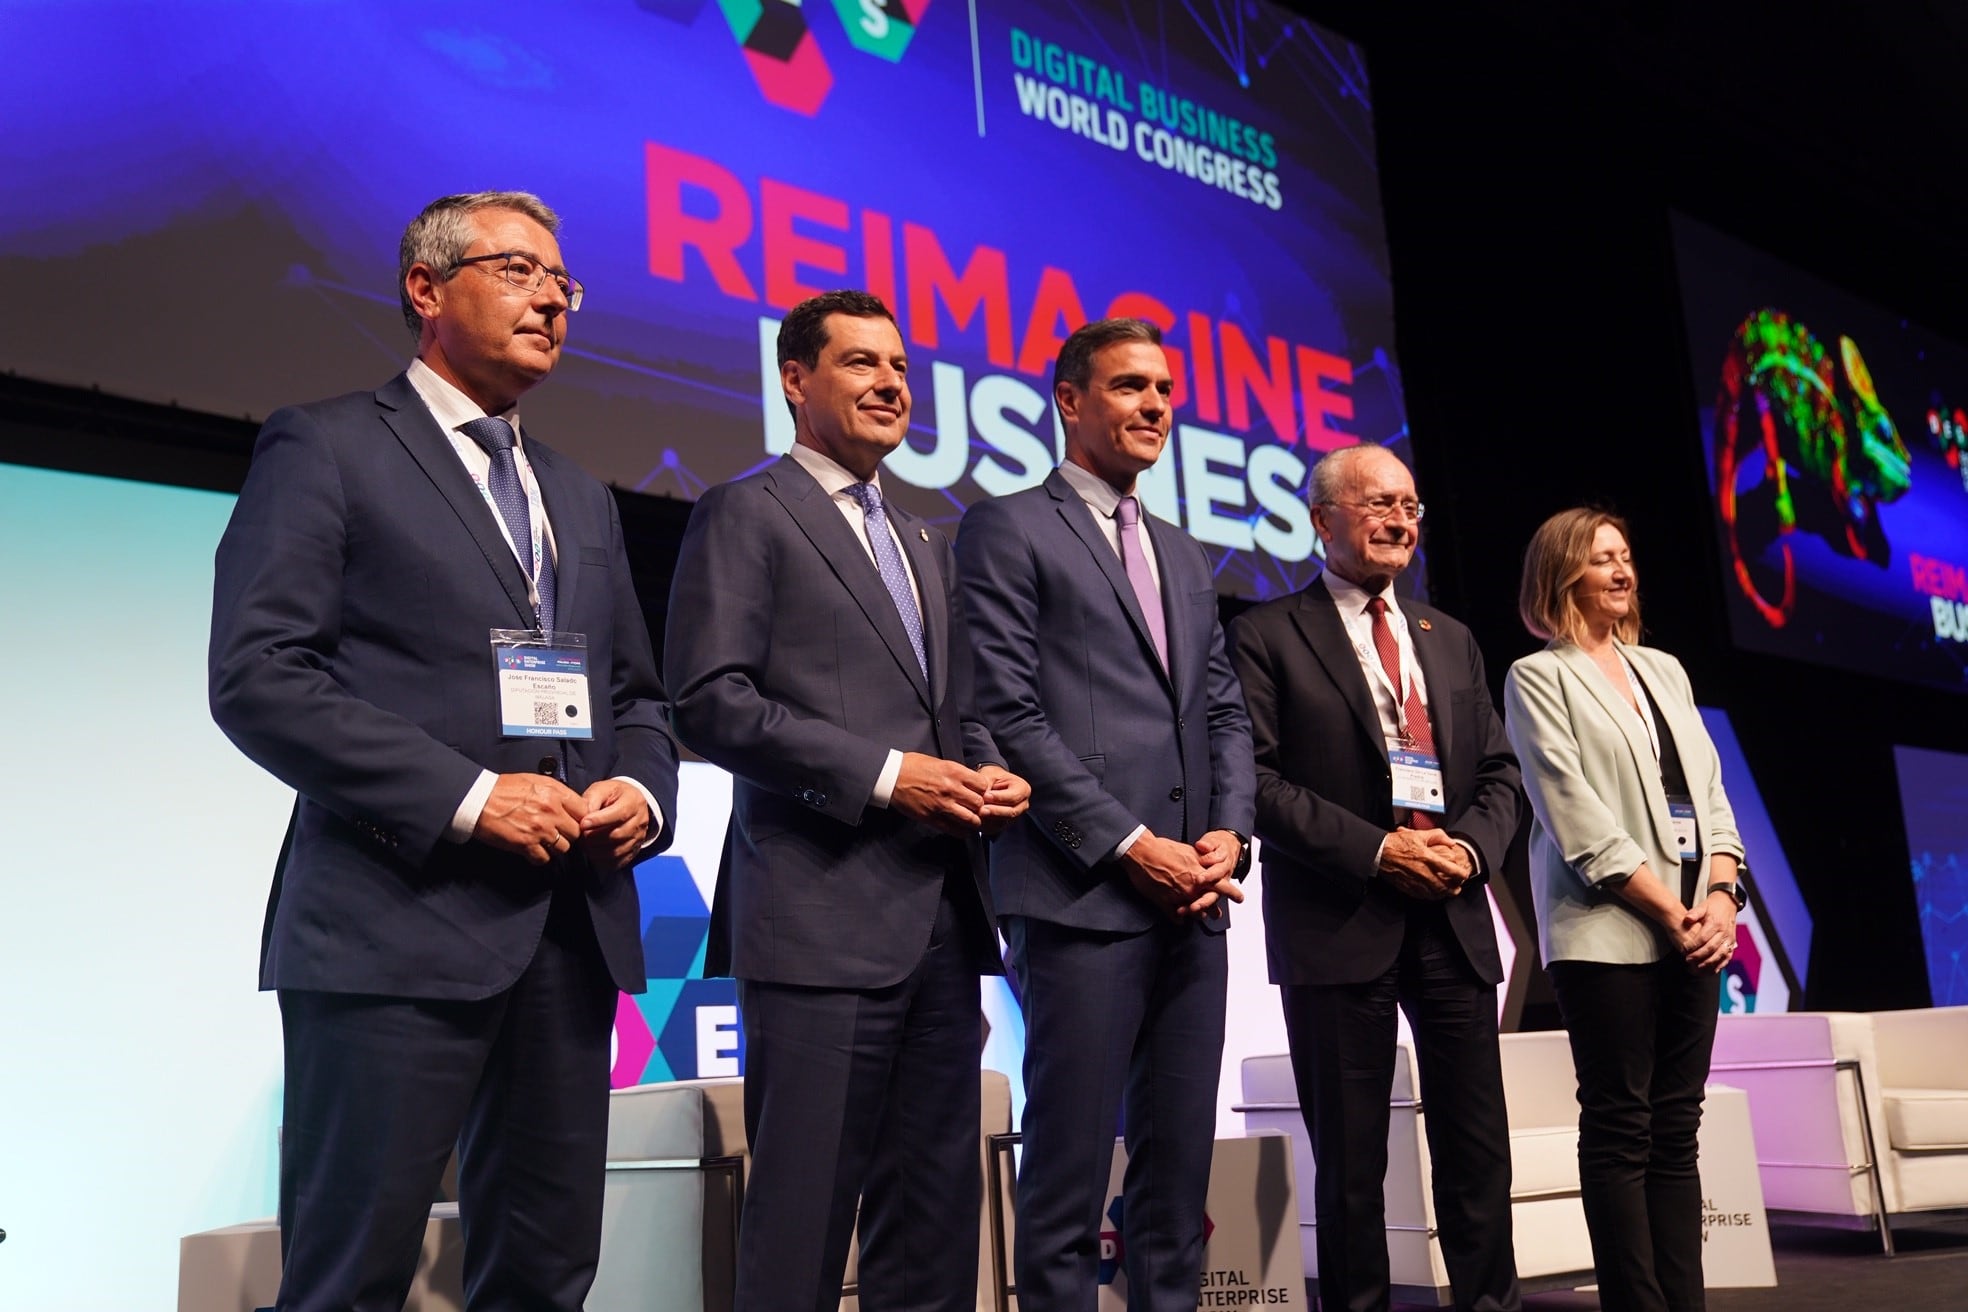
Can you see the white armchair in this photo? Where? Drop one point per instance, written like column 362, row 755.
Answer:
column 1858, row 1117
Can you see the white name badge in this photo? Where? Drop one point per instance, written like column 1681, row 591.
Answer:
column 543, row 684
column 1683, row 815
column 1417, row 781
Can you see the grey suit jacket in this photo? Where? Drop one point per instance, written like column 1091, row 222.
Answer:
column 1595, row 791
column 1077, row 700
column 792, row 670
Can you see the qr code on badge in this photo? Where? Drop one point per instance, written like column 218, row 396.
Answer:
column 546, row 713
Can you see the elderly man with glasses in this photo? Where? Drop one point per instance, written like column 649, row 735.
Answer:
column 1386, row 795
column 423, row 623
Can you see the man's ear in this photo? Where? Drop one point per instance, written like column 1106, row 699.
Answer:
column 1067, row 398
column 425, row 289
column 792, row 381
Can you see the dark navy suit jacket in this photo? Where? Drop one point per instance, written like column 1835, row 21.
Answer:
column 357, row 586
column 792, row 670
column 1070, row 685
column 1325, row 796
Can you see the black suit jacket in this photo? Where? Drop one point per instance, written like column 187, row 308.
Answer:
column 1324, row 795
column 356, row 587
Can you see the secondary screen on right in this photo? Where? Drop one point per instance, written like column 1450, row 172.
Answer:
column 1834, row 435
column 1934, row 801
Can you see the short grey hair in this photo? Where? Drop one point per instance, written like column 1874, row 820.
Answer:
column 1336, row 472
column 1075, row 362
column 439, row 235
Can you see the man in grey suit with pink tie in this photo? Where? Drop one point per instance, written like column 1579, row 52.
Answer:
column 819, row 653
column 1103, row 678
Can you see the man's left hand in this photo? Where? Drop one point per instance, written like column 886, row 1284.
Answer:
column 1005, row 799
column 616, row 824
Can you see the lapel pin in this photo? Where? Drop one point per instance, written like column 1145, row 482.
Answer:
column 1424, row 624
column 924, row 533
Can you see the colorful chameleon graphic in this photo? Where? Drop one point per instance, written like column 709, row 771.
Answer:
column 1808, row 428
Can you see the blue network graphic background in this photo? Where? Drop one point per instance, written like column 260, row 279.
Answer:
column 1934, row 800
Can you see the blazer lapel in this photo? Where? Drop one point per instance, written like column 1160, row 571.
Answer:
column 933, row 588
column 410, row 419
column 556, row 497
column 1317, row 617
column 1079, row 517
column 1429, row 657
column 1630, row 729
column 841, row 548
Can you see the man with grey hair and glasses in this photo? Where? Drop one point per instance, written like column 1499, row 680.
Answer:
column 423, row 623
column 1386, row 795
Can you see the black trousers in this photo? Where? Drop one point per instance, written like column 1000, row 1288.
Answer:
column 1641, row 1041
column 868, row 1094
column 380, row 1089
column 1118, row 1027
column 1342, row 1049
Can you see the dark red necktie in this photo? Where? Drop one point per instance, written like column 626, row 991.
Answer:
column 1415, row 730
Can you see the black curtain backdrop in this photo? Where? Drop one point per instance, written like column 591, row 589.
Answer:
column 1530, row 153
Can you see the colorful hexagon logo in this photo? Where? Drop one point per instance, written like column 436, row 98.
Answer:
column 881, row 27
column 777, row 44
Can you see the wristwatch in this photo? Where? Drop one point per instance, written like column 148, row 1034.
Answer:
column 1243, row 854
column 1733, row 887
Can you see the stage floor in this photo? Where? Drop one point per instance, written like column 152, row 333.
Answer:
column 1823, row 1269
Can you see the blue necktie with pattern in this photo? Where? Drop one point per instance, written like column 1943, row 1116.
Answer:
column 498, row 440
column 888, row 559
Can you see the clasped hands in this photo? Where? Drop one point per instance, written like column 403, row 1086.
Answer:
column 953, row 798
column 539, row 817
column 1707, row 935
column 1425, row 863
column 1186, row 880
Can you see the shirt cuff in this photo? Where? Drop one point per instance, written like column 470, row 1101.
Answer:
column 1121, row 848
column 1475, row 857
column 885, row 781
column 655, row 811
column 1374, row 872
column 464, row 820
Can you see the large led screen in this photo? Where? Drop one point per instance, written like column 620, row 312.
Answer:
column 205, row 202
column 1934, row 803
column 1834, row 434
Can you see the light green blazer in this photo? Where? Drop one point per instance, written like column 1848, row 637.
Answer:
column 1599, row 811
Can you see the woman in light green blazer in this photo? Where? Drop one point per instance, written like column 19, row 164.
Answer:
column 1635, row 864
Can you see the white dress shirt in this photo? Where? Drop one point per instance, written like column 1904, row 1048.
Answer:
column 1103, row 501
column 1352, row 599
column 453, row 410
column 834, row 479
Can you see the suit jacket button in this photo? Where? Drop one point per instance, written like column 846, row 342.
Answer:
column 1175, row 793
column 819, row 799
column 808, row 796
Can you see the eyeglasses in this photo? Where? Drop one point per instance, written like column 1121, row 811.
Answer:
column 1387, row 507
column 528, row 274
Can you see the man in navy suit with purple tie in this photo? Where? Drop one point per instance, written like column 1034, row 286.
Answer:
column 423, row 622
column 1103, row 678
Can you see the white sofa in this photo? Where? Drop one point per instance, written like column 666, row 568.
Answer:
column 650, row 1222
column 1859, row 1117
column 1552, row 1247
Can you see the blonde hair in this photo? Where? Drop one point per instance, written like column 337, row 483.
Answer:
column 1554, row 562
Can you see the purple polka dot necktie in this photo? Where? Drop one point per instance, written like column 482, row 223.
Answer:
column 888, row 560
column 509, row 495
column 1128, row 515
